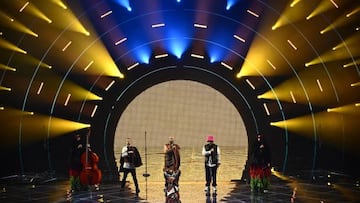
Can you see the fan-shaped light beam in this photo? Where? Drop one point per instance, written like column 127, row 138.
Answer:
column 328, row 128
column 59, row 3
column 5, row 67
column 8, row 45
column 12, row 117
column 341, row 21
column 33, row 10
column 15, row 25
column 316, row 85
column 350, row 50
column 291, row 14
column 64, row 18
column 324, row 5
column 353, row 63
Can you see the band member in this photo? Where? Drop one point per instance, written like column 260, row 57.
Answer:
column 78, row 148
column 260, row 159
column 130, row 160
column 211, row 151
column 172, row 159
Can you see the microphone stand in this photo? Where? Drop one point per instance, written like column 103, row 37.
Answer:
column 146, row 174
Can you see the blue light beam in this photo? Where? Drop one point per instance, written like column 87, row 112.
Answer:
column 124, row 3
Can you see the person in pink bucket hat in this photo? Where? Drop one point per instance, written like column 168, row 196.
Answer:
column 211, row 152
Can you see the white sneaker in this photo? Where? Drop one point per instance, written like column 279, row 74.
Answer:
column 207, row 189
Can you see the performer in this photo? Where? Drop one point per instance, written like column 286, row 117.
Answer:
column 172, row 160
column 211, row 151
column 260, row 172
column 130, row 160
column 78, row 148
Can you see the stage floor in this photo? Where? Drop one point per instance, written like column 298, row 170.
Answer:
column 323, row 188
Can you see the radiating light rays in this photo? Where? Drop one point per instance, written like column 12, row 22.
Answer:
column 292, row 14
column 15, row 25
column 103, row 62
column 257, row 60
column 352, row 42
column 294, row 2
column 14, row 118
column 10, row 46
column 345, row 50
column 74, row 44
column 315, row 87
column 59, row 3
column 66, row 19
column 331, row 128
column 2, row 88
column 5, row 67
column 352, row 64
column 353, row 12
column 32, row 9
column 350, row 109
column 28, row 61
column 51, row 126
column 88, row 53
column 340, row 22
column 324, row 5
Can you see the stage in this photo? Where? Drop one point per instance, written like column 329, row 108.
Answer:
column 322, row 187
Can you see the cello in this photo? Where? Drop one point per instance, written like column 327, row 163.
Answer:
column 90, row 173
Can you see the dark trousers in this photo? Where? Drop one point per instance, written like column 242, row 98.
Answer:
column 210, row 174
column 133, row 173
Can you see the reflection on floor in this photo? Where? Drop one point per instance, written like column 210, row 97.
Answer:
column 323, row 187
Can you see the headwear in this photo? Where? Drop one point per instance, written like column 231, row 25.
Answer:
column 210, row 138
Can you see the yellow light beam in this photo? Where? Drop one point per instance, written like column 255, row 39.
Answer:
column 78, row 93
column 312, row 86
column 324, row 5
column 15, row 25
column 294, row 2
column 291, row 14
column 8, row 45
column 353, row 12
column 340, row 21
column 350, row 41
column 5, row 67
column 64, row 18
column 347, row 109
column 31, row 60
column 5, row 88
column 34, row 127
column 330, row 127
column 336, row 53
column 33, row 10
column 59, row 3
column 353, row 63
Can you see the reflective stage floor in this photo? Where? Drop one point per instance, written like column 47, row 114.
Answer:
column 323, row 187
